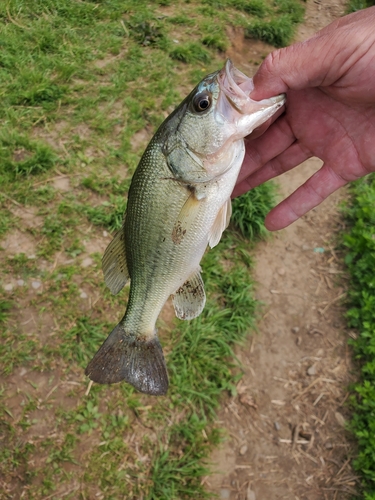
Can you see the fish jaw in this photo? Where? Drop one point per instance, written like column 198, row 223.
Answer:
column 235, row 105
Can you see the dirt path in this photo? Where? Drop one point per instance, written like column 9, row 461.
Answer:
column 285, row 428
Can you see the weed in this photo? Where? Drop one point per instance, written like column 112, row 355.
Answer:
column 81, row 341
column 5, row 306
column 106, row 185
column 109, row 214
column 19, row 156
column 293, row 9
column 359, row 246
column 6, row 220
column 355, row 5
column 182, row 19
column 148, row 31
column 190, row 52
column 255, row 7
column 277, row 32
column 88, row 417
column 248, row 210
column 216, row 40
column 15, row 349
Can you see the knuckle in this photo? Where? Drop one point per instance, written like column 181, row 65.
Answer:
column 272, row 60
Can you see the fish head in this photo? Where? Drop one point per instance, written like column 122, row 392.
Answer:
column 218, row 113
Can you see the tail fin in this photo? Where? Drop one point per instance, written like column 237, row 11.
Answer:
column 137, row 361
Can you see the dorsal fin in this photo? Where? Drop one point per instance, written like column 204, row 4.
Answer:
column 189, row 299
column 114, row 265
column 220, row 224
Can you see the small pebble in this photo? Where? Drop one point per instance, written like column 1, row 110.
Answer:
column 250, row 495
column 311, row 370
column 224, row 494
column 299, row 340
column 277, row 426
column 8, row 287
column 281, row 271
column 20, row 282
column 87, row 262
column 83, row 295
column 36, row 284
column 243, row 449
column 31, row 257
column 295, row 329
column 328, row 446
column 105, row 234
column 23, row 372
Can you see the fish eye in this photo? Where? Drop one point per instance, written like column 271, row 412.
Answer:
column 202, row 102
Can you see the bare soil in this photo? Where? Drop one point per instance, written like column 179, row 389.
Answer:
column 286, row 436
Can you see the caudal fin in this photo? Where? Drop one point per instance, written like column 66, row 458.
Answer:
column 126, row 357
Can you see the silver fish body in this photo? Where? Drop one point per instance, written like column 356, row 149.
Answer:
column 178, row 203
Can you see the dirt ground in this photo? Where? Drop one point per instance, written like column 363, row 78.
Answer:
column 285, row 429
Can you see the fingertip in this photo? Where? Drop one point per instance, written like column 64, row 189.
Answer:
column 241, row 188
column 267, row 79
column 269, row 223
column 278, row 219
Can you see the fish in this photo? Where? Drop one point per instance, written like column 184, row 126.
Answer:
column 179, row 203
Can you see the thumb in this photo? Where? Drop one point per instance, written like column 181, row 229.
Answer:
column 318, row 61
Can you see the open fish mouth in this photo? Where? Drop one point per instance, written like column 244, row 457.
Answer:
column 237, row 88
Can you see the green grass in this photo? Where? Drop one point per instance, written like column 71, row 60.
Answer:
column 359, row 246
column 359, row 243
column 278, row 28
column 190, row 52
column 248, row 210
column 83, row 87
column 254, row 7
column 20, row 156
column 355, row 5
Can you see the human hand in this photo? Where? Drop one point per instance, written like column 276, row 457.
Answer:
column 330, row 113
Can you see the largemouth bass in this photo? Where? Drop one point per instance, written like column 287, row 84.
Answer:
column 178, row 203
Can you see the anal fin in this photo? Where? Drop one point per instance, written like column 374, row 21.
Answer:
column 114, row 265
column 190, row 298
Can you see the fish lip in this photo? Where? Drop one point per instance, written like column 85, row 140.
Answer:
column 277, row 98
column 237, row 88
column 235, row 77
column 229, row 79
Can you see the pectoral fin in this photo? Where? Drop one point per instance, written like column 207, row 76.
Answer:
column 186, row 217
column 220, row 224
column 114, row 265
column 189, row 299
